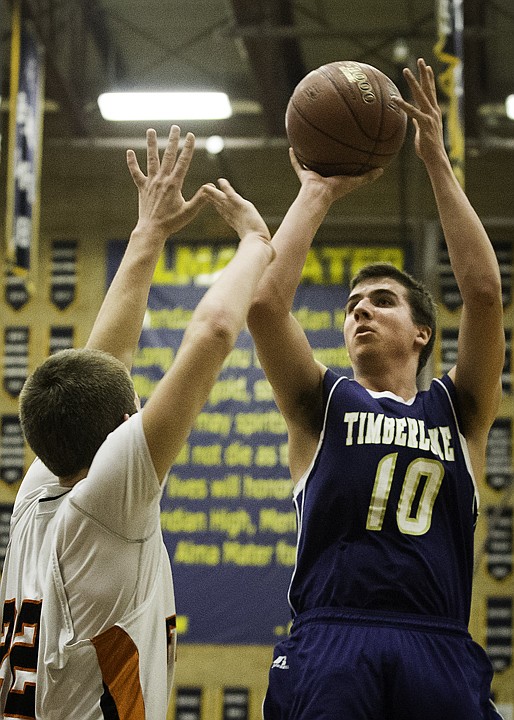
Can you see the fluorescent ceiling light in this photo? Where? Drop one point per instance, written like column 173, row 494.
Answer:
column 509, row 107
column 164, row 106
column 214, row 144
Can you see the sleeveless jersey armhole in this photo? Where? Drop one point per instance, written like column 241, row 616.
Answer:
column 446, row 382
column 330, row 382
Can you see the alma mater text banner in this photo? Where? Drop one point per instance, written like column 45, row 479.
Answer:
column 227, row 515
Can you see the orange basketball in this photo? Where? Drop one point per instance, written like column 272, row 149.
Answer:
column 342, row 119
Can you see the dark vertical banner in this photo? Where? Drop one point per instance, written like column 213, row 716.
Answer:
column 227, row 515
column 499, row 473
column 499, row 541
column 24, row 157
column 12, row 449
column 235, row 703
column 449, row 51
column 64, row 273
column 3, row 13
column 16, row 358
column 188, row 703
column 5, row 524
column 61, row 338
column 499, row 632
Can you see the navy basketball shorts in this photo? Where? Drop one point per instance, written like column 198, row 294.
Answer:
column 339, row 665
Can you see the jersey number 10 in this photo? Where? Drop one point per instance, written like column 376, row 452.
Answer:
column 409, row 522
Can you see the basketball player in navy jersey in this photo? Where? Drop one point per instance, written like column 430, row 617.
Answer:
column 384, row 475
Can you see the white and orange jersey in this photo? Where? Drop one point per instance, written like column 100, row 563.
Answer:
column 88, row 629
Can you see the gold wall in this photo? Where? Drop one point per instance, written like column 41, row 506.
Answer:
column 73, row 209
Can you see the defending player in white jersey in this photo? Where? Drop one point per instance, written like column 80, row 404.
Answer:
column 87, row 594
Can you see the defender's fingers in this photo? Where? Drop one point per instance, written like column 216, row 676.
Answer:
column 152, row 152
column 170, row 153
column 227, row 188
column 213, row 195
column 183, row 161
column 134, row 169
column 199, row 199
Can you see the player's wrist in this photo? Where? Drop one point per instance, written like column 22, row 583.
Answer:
column 257, row 237
column 316, row 189
column 437, row 160
column 148, row 230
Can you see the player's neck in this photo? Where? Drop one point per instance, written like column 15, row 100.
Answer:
column 397, row 381
column 71, row 480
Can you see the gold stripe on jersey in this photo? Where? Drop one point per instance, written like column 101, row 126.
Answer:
column 118, row 658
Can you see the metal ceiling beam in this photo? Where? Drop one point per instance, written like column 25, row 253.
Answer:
column 96, row 24
column 276, row 62
column 290, row 31
column 257, row 143
column 416, row 33
column 69, row 32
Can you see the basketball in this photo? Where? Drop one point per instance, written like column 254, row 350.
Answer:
column 342, row 119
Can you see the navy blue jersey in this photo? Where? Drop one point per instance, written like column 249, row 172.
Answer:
column 387, row 510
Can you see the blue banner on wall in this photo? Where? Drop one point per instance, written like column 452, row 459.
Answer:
column 25, row 141
column 227, row 514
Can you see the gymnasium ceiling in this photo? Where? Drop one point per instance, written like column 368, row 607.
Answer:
column 256, row 51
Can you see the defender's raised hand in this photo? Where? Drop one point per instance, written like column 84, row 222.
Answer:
column 161, row 203
column 238, row 212
column 162, row 212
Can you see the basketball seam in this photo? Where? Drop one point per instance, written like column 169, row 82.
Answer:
column 382, row 115
column 335, row 139
column 350, row 108
column 363, row 131
column 374, row 72
column 381, row 123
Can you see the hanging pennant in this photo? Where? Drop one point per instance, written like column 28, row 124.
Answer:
column 61, row 338
column 499, row 541
column 449, row 347
column 16, row 358
column 235, row 703
column 188, row 703
column 499, row 632
column 64, row 273
column 12, row 449
column 498, row 473
column 449, row 292
column 5, row 526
